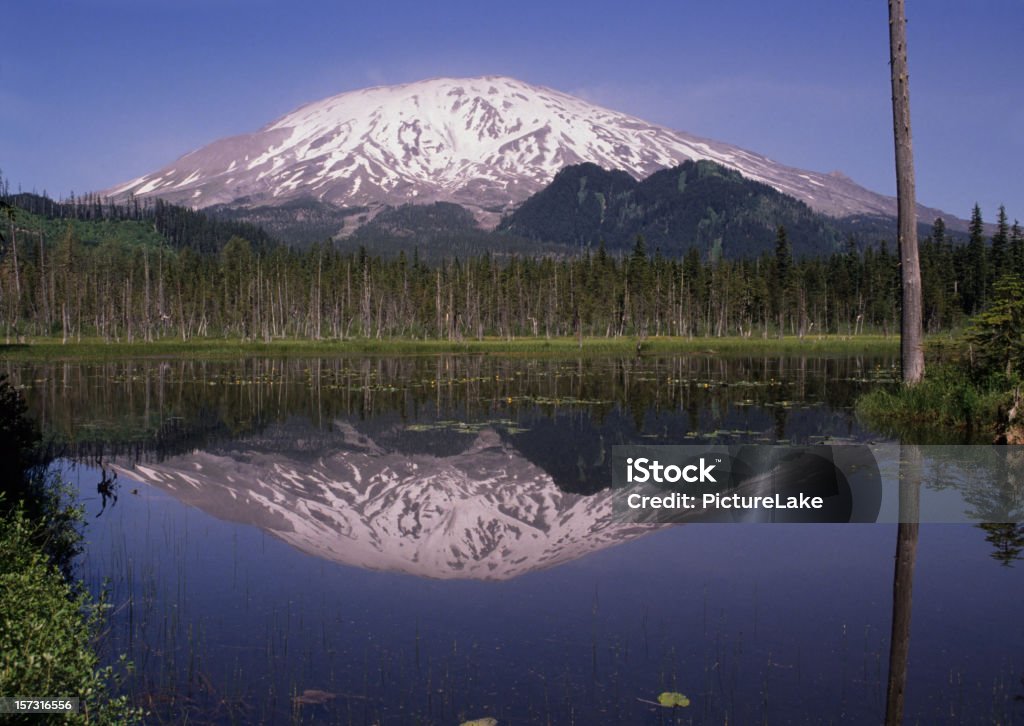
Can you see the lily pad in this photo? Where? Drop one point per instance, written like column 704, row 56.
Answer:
column 673, row 699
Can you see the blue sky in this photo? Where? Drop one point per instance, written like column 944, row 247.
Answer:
column 94, row 93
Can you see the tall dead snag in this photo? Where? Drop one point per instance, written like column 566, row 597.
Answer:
column 912, row 359
column 911, row 329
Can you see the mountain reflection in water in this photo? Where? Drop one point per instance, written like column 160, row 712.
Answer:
column 484, row 513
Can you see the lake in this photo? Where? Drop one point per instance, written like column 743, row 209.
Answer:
column 429, row 540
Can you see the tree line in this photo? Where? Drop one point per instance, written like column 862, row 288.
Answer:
column 111, row 277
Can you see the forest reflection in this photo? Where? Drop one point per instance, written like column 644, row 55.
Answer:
column 152, row 408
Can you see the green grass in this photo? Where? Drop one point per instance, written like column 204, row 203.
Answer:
column 220, row 348
column 946, row 401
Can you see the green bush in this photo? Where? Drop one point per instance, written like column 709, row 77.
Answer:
column 998, row 331
column 48, row 624
column 47, row 633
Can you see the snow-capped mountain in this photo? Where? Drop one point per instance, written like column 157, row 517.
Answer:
column 485, row 513
column 486, row 143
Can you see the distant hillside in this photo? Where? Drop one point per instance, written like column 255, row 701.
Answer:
column 436, row 231
column 299, row 222
column 422, row 221
column 869, row 229
column 698, row 205
column 141, row 221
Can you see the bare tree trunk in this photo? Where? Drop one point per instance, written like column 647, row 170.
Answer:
column 145, row 317
column 903, row 581
column 319, row 291
column 17, row 274
column 42, row 281
column 911, row 331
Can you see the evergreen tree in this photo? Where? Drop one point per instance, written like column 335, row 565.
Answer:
column 939, row 232
column 1017, row 249
column 999, row 330
column 998, row 257
column 976, row 272
column 782, row 278
column 1007, row 541
column 638, row 276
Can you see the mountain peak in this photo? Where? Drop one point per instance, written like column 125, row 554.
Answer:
column 487, row 143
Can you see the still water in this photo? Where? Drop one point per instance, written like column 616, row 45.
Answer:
column 430, row 540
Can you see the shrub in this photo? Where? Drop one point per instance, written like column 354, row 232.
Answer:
column 47, row 633
column 998, row 331
column 48, row 625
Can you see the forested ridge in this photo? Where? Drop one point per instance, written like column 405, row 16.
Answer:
column 154, row 220
column 696, row 204
column 137, row 271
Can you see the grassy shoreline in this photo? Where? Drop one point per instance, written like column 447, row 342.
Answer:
column 213, row 348
column 948, row 406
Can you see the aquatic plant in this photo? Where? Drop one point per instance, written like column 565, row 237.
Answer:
column 673, row 699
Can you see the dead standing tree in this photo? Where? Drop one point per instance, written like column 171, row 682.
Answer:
column 912, row 330
column 912, row 359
